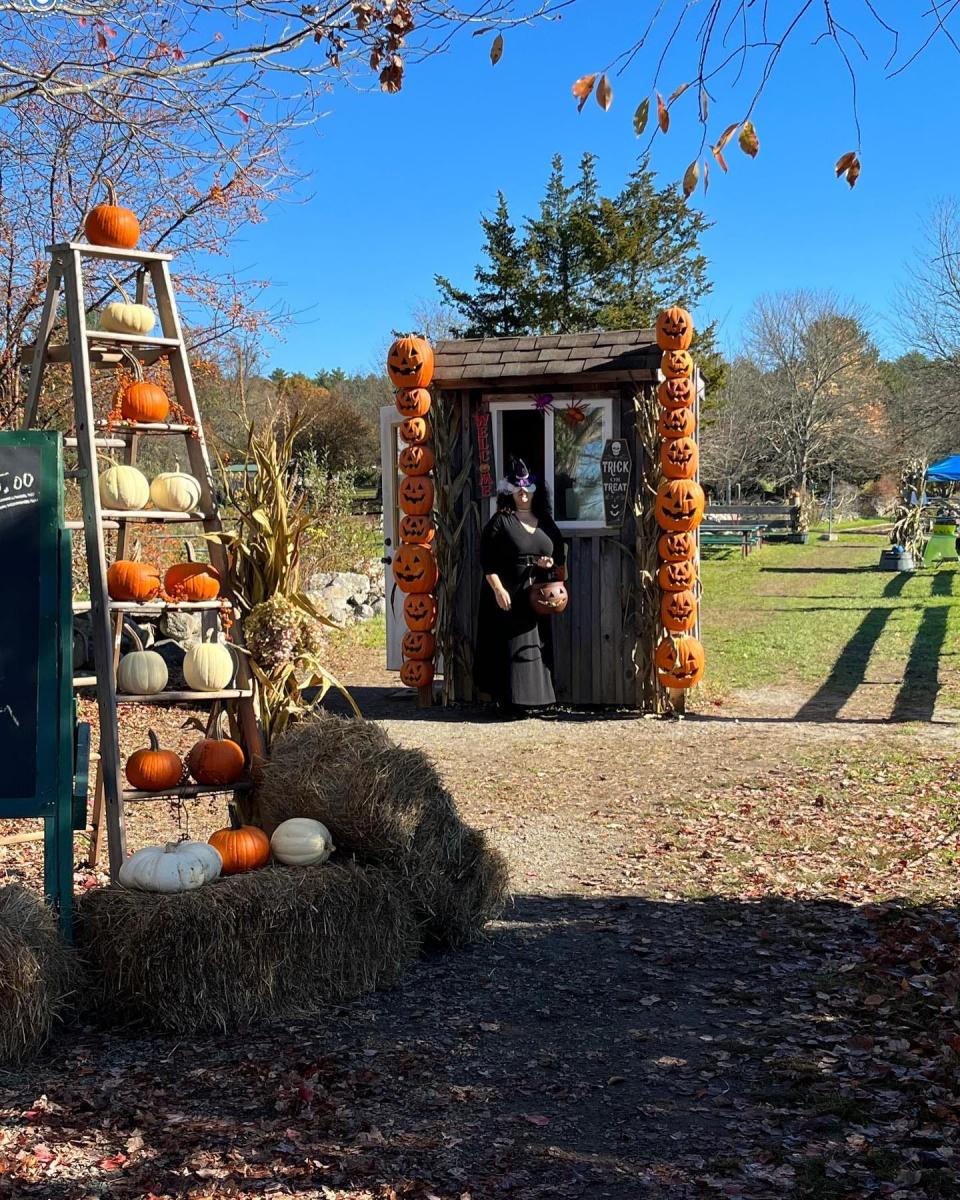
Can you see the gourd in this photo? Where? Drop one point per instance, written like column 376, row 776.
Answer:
column 175, row 491
column 192, row 580
column 241, row 847
column 141, row 672
column 111, row 224
column 410, row 362
column 175, row 867
column 143, row 402
column 414, row 568
column 207, row 666
column 130, row 580
column 153, row 769
column 125, row 317
column 124, row 488
column 215, row 760
column 301, row 842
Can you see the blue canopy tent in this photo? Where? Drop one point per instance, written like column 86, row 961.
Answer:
column 947, row 470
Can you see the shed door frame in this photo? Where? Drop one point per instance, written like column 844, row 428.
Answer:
column 390, row 420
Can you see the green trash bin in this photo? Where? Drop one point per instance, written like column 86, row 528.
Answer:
column 942, row 544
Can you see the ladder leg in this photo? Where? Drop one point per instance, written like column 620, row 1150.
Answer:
column 47, row 320
column 96, row 565
column 96, row 822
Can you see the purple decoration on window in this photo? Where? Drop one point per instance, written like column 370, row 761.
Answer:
column 542, row 402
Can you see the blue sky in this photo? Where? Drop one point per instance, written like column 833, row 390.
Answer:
column 397, row 182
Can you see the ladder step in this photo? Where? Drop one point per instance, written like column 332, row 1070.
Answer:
column 80, row 681
column 114, row 252
column 156, row 606
column 188, row 791
column 103, row 524
column 185, row 697
column 149, row 514
column 105, row 443
column 109, row 338
column 130, row 427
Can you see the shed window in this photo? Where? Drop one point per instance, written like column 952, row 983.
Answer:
column 562, row 445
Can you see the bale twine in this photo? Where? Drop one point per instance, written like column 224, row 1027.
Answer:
column 388, row 805
column 37, row 973
column 277, row 942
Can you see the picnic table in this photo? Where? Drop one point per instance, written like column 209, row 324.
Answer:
column 730, row 534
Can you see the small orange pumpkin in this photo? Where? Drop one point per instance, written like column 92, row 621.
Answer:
column 414, row 568
column 419, row 531
column 677, row 364
column 678, row 611
column 410, row 362
column 192, row 581
column 111, row 224
column 413, row 402
column 674, row 329
column 679, row 458
column 676, row 422
column 416, row 673
column 676, row 393
column 416, row 495
column 214, row 760
column 677, row 576
column 153, row 769
column 419, row 645
column 242, row 847
column 142, row 401
column 416, row 460
column 414, row 430
column 133, row 581
column 679, row 505
column 420, row 611
column 679, row 661
column 675, row 547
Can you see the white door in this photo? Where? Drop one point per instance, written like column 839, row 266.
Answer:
column 390, row 447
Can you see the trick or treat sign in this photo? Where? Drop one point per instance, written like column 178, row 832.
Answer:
column 484, row 454
column 615, row 465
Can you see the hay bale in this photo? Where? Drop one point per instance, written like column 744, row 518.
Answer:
column 388, row 806
column 37, row 974
column 277, row 942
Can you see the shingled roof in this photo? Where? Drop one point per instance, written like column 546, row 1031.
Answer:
column 622, row 354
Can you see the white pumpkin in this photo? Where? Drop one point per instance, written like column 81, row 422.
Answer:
column 141, row 673
column 208, row 666
column 175, row 491
column 120, row 317
column 124, row 488
column 301, row 842
column 175, row 867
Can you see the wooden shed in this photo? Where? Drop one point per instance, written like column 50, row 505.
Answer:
column 579, row 409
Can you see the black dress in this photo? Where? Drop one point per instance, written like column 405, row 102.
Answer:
column 514, row 653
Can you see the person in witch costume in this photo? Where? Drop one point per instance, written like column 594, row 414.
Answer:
column 520, row 545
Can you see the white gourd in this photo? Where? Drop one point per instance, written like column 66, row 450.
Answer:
column 175, row 867
column 124, row 488
column 141, row 673
column 301, row 842
column 124, row 317
column 208, row 666
column 175, row 491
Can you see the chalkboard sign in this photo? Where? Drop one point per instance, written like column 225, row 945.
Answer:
column 615, row 465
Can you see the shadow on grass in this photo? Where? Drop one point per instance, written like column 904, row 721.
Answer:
column 917, row 697
column 848, row 671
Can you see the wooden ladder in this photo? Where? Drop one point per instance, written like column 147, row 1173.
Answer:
column 93, row 347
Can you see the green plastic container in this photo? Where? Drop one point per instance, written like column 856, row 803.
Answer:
column 942, row 544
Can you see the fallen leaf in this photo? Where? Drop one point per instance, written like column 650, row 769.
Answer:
column 536, row 1119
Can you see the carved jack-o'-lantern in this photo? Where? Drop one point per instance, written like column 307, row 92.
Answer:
column 678, row 611
column 676, row 393
column 416, row 495
column 679, row 505
column 549, row 599
column 680, row 661
column 414, row 568
column 674, row 329
column 679, row 458
column 416, row 673
column 416, row 460
column 676, row 422
column 419, row 531
column 413, row 402
column 410, row 362
column 677, row 576
column 677, row 364
column 419, row 644
column 676, row 547
column 414, row 430
column 420, row 611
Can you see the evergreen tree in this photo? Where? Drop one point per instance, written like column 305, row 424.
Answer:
column 501, row 305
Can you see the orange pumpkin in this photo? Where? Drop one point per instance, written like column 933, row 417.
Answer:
column 132, row 581
column 416, row 460
column 414, row 430
column 414, row 568
column 419, row 531
column 419, row 645
column 416, row 495
column 144, row 402
column 111, row 224
column 242, row 847
column 410, row 362
column 413, row 402
column 677, row 364
column 678, row 611
column 675, row 547
column 679, row 505
column 677, row 576
column 677, row 393
column 153, row 769
column 416, row 673
column 674, row 329
column 679, row 458
column 215, row 760
column 191, row 580
column 679, row 661
column 420, row 611
column 676, row 422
